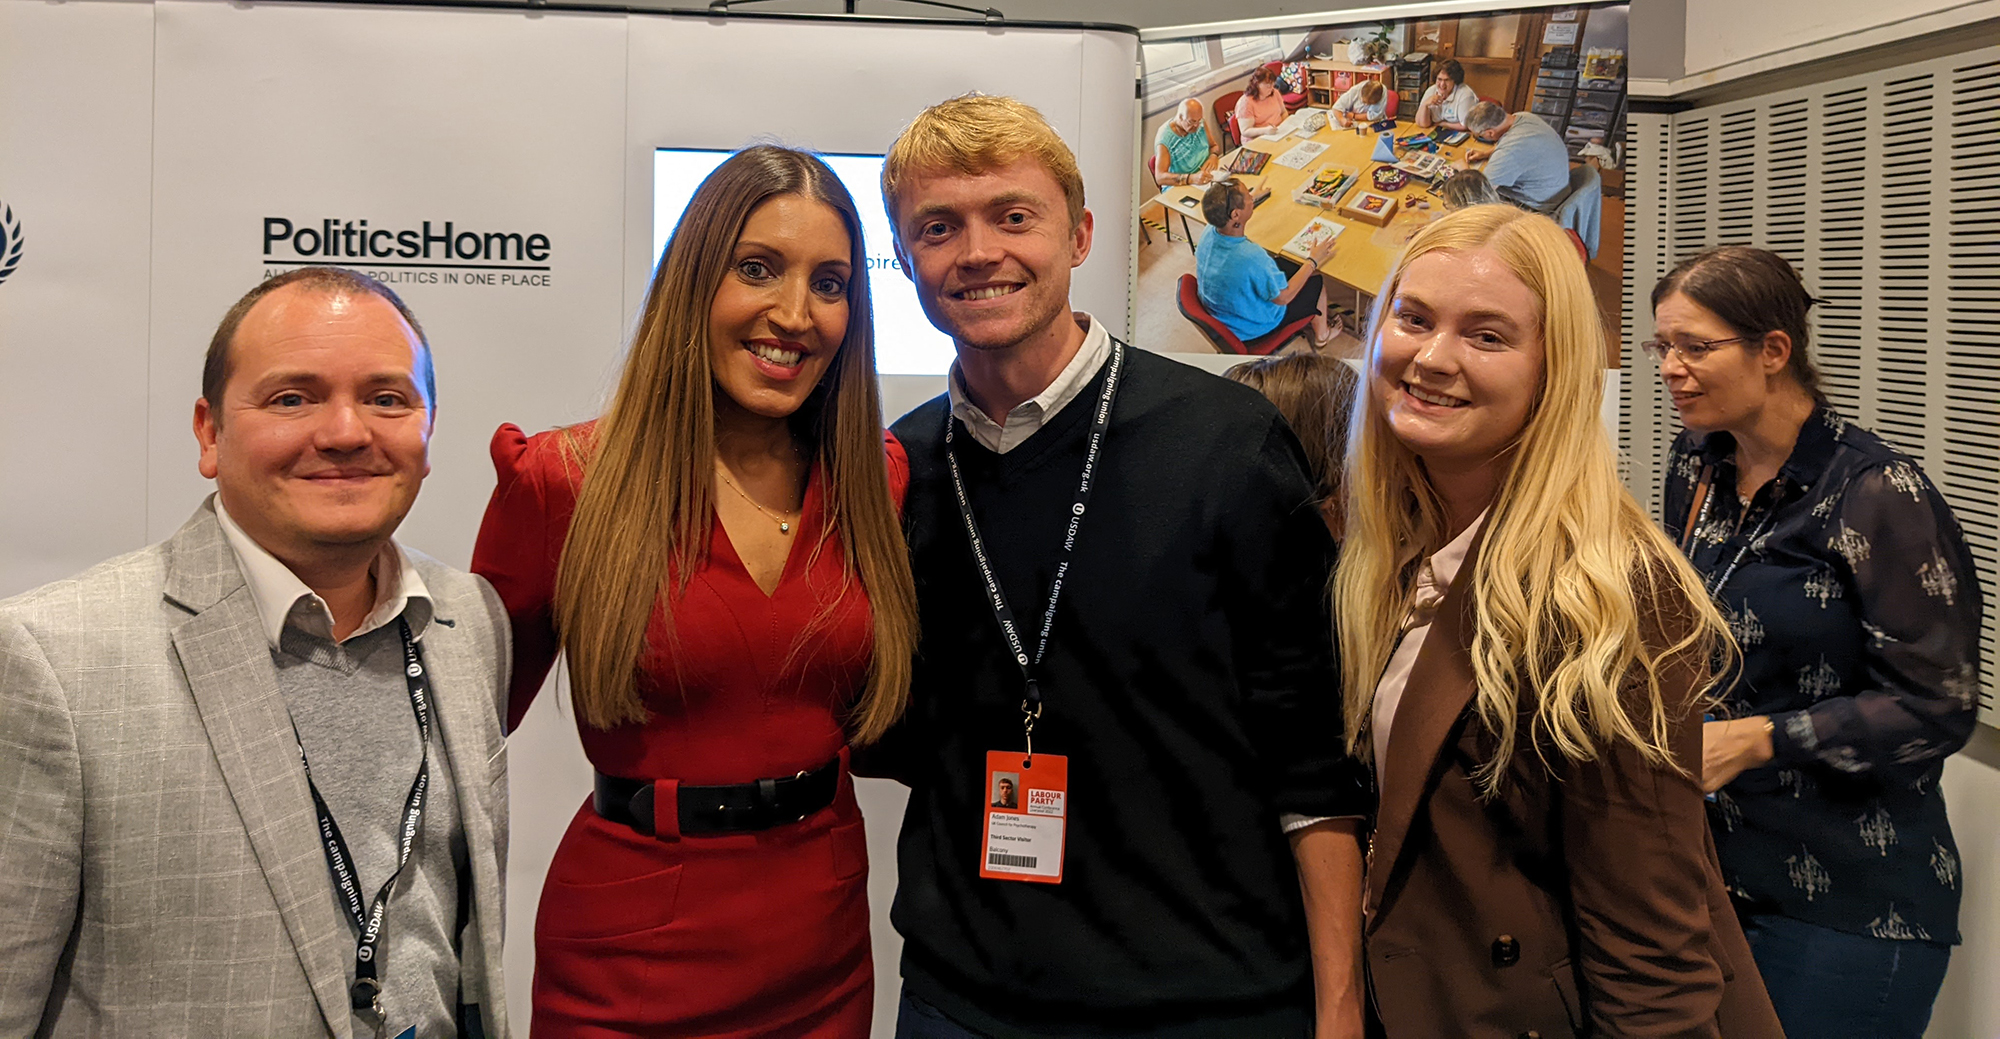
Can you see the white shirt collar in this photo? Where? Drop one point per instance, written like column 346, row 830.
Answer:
column 1029, row 416
column 281, row 598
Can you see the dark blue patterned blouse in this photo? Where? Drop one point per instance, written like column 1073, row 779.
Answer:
column 1849, row 586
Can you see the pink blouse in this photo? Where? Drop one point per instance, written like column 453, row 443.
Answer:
column 1433, row 581
column 1266, row 111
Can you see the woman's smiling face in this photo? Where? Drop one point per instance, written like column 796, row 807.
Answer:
column 780, row 314
column 1458, row 361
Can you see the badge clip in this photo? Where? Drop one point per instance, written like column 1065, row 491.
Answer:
column 1031, row 711
column 366, row 995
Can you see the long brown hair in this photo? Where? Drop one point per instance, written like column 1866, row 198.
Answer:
column 641, row 527
column 1315, row 393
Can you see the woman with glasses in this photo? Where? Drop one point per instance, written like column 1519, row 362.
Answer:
column 1850, row 590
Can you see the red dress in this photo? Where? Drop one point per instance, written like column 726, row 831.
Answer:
column 741, row 935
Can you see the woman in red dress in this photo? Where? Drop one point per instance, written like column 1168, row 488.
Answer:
column 720, row 561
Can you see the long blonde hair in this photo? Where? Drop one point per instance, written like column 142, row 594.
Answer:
column 1574, row 586
column 641, row 527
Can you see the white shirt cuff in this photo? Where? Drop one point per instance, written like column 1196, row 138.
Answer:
column 1293, row 822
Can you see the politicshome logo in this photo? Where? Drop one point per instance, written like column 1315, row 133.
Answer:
column 10, row 242
column 432, row 253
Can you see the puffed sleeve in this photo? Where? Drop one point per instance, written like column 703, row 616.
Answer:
column 898, row 461
column 1904, row 561
column 517, row 555
column 1635, row 840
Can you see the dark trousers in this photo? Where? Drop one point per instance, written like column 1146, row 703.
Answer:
column 1306, row 303
column 916, row 1019
column 1829, row 984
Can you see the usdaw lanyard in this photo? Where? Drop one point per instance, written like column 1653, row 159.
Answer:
column 1031, row 703
column 367, row 991
column 1027, row 798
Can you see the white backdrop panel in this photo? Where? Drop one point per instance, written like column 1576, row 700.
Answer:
column 150, row 147
column 76, row 99
column 491, row 121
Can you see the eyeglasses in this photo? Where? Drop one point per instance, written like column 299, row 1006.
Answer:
column 1691, row 351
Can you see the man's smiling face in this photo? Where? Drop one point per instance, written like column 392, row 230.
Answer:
column 990, row 252
column 322, row 436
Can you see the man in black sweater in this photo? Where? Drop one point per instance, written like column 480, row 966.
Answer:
column 1121, row 581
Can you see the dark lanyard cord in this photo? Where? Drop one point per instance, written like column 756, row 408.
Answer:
column 1031, row 703
column 367, row 991
column 1764, row 524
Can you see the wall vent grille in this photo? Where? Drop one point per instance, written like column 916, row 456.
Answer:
column 1644, row 411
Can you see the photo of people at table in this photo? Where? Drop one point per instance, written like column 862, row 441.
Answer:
column 1327, row 148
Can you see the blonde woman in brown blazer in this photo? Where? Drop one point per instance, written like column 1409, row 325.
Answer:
column 1531, row 685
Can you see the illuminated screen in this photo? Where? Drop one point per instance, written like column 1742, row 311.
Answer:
column 905, row 342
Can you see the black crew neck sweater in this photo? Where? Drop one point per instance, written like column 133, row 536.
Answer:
column 1190, row 681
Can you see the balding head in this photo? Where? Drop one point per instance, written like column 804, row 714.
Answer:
column 326, row 440
column 337, row 281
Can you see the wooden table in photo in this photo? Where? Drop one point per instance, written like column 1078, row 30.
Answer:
column 1364, row 253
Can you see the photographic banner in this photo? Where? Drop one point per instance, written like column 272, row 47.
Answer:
column 1353, row 132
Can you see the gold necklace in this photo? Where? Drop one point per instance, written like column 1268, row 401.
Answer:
column 784, row 525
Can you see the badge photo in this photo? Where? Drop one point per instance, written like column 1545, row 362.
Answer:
column 1027, row 812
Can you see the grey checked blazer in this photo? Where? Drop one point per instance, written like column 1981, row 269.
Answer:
column 160, row 867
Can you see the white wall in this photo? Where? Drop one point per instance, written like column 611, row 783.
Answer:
column 1969, row 1006
column 1723, row 32
column 1728, row 39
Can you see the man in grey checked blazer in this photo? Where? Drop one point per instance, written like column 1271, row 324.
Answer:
column 162, row 869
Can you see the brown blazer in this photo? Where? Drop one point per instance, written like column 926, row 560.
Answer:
column 1584, row 900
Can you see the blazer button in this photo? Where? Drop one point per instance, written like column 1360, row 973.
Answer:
column 1506, row 951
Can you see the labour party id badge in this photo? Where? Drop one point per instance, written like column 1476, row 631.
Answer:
column 1027, row 809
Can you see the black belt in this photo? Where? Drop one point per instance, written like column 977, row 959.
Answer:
column 757, row 805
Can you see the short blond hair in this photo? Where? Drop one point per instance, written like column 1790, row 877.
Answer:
column 976, row 133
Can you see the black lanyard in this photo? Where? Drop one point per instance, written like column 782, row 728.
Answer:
column 1031, row 703
column 367, row 991
column 1764, row 524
